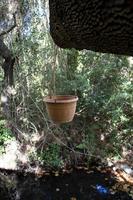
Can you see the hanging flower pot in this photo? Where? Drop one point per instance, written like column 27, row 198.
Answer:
column 61, row 109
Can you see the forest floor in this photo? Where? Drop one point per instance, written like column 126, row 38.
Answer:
column 19, row 180
column 78, row 183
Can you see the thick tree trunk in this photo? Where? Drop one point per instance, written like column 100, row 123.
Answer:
column 4, row 51
column 98, row 25
column 8, row 63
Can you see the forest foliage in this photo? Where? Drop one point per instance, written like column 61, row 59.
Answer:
column 103, row 124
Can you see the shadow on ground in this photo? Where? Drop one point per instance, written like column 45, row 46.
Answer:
column 78, row 185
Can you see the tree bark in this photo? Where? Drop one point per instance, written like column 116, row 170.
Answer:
column 98, row 25
column 7, row 55
column 8, row 63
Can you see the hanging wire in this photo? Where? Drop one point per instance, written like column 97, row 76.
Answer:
column 53, row 77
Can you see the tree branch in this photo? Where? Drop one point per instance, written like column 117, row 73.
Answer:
column 11, row 28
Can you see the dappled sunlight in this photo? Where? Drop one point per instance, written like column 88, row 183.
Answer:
column 13, row 157
column 8, row 160
column 89, row 183
column 4, row 99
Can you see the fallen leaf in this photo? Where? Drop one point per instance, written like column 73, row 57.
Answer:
column 57, row 189
column 56, row 173
column 126, row 177
column 73, row 198
column 89, row 172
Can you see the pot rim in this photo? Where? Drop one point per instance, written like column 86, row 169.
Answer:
column 61, row 99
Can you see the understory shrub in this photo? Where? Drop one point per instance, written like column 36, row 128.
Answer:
column 5, row 136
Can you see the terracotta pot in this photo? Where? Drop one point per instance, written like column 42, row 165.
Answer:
column 61, row 109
